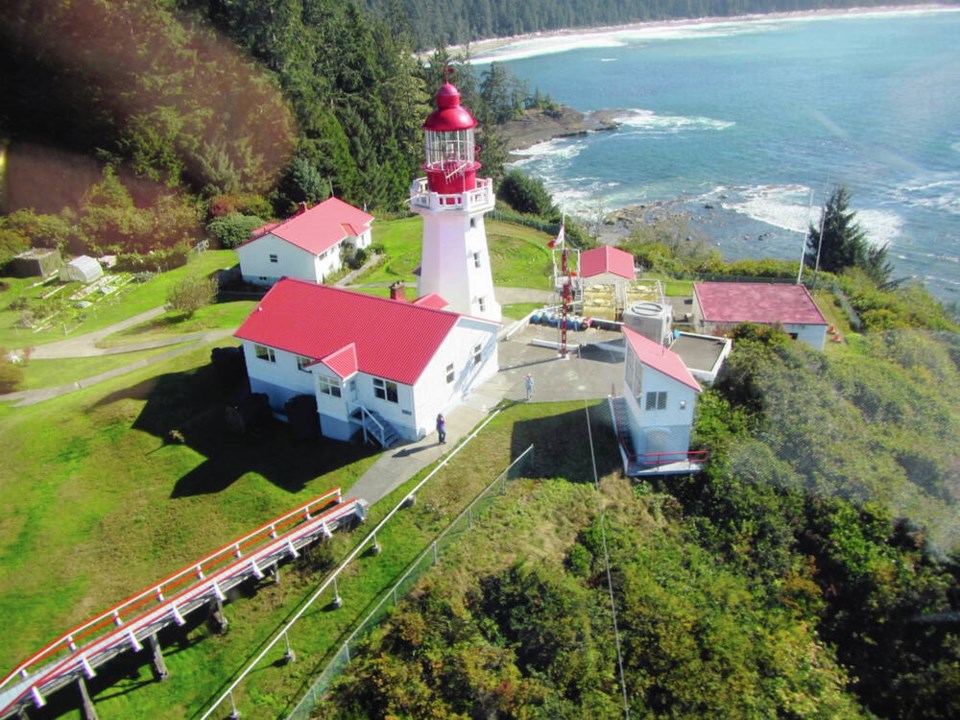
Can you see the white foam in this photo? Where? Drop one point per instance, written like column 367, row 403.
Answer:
column 560, row 148
column 782, row 206
column 942, row 195
column 882, row 227
column 669, row 124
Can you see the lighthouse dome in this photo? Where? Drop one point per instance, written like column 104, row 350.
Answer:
column 450, row 115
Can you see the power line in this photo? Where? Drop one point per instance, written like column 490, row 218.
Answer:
column 606, row 560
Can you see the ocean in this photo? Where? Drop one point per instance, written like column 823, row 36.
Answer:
column 747, row 125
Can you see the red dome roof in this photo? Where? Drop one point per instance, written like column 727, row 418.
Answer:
column 450, row 115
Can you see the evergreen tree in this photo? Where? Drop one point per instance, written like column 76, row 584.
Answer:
column 840, row 243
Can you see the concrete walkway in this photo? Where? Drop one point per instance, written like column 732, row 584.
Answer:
column 593, row 369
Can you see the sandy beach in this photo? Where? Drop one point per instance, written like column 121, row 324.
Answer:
column 496, row 49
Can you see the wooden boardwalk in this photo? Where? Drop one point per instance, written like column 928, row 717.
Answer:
column 124, row 628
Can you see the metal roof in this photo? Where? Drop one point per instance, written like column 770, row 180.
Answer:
column 319, row 228
column 765, row 303
column 606, row 259
column 656, row 356
column 393, row 340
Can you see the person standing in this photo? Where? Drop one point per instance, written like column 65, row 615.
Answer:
column 529, row 386
column 442, row 428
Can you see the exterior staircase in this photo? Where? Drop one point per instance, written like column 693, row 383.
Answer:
column 375, row 427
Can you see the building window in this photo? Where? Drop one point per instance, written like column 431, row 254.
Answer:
column 477, row 354
column 482, row 304
column 303, row 363
column 449, row 373
column 473, row 223
column 329, row 386
column 656, row 401
column 273, row 258
column 385, row 390
column 476, row 259
column 265, row 353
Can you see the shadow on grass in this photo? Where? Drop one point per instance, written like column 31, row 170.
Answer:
column 562, row 443
column 189, row 408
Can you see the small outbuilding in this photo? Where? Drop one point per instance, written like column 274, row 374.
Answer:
column 35, row 262
column 84, row 269
column 723, row 305
column 606, row 265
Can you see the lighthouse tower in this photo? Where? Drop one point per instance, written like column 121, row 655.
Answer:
column 454, row 261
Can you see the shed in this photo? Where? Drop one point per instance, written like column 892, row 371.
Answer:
column 81, row 269
column 35, row 262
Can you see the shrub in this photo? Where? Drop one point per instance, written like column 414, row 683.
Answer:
column 233, row 229
column 190, row 294
column 11, row 376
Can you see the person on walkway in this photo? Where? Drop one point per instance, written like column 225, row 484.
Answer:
column 442, row 428
column 529, row 387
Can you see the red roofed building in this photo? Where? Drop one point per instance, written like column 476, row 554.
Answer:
column 606, row 265
column 307, row 246
column 655, row 415
column 722, row 305
column 383, row 367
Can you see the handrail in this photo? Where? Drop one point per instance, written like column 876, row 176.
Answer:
column 196, row 569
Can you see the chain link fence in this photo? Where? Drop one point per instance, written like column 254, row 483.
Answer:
column 452, row 534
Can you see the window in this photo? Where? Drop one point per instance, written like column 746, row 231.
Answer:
column 303, row 363
column 450, row 373
column 329, row 386
column 656, row 401
column 385, row 390
column 482, row 303
column 477, row 354
column 473, row 223
column 476, row 259
column 273, row 258
column 265, row 353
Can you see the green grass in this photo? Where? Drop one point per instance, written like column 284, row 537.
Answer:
column 518, row 311
column 172, row 324
column 519, row 255
column 52, row 373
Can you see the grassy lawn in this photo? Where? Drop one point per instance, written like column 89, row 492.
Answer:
column 518, row 311
column 133, row 299
column 172, row 324
column 519, row 255
column 51, row 373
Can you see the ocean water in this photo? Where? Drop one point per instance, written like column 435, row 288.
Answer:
column 748, row 125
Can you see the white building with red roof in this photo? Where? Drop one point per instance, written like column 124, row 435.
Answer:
column 654, row 417
column 308, row 246
column 374, row 365
column 606, row 265
column 722, row 305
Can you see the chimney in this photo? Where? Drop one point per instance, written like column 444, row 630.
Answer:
column 398, row 291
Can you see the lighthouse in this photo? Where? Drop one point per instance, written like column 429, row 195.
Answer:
column 454, row 261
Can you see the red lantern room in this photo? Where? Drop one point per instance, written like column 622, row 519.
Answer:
column 450, row 151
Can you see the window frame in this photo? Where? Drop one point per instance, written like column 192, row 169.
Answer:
column 264, row 352
column 330, row 386
column 655, row 400
column 386, row 390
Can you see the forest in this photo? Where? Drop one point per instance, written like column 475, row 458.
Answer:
column 431, row 23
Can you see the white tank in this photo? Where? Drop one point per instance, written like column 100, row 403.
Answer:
column 650, row 319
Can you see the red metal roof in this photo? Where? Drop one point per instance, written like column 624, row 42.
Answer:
column 661, row 359
column 450, row 115
column 607, row 259
column 343, row 361
column 319, row 228
column 393, row 340
column 765, row 303
column 431, row 300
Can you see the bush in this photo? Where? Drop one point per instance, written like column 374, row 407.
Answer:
column 11, row 376
column 527, row 195
column 190, row 294
column 233, row 229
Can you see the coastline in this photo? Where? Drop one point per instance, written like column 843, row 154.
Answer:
column 482, row 51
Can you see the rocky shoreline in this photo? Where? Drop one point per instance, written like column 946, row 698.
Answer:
column 537, row 126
